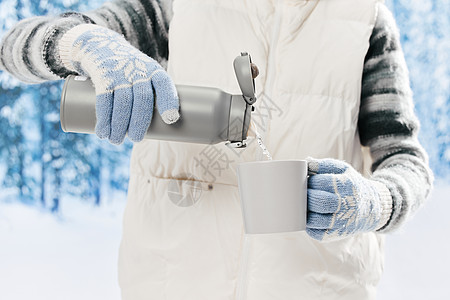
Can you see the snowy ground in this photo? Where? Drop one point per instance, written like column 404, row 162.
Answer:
column 75, row 257
column 417, row 264
column 51, row 258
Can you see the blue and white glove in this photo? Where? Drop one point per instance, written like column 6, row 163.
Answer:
column 124, row 80
column 341, row 202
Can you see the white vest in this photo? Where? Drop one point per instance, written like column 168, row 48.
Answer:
column 183, row 233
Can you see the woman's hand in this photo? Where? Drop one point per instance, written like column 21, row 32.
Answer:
column 124, row 79
column 342, row 202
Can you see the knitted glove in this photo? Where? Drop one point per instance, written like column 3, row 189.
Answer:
column 123, row 78
column 342, row 202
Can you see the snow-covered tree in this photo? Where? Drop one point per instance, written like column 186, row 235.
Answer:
column 39, row 163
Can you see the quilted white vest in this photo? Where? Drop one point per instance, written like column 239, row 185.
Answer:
column 183, row 235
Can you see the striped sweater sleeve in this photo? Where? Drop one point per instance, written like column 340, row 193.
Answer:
column 388, row 125
column 29, row 51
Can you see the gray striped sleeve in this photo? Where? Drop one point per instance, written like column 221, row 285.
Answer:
column 388, row 125
column 144, row 23
column 12, row 50
column 29, row 51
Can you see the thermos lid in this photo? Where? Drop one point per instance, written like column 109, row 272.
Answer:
column 243, row 70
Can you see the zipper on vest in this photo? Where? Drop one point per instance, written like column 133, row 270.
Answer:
column 268, row 85
column 241, row 288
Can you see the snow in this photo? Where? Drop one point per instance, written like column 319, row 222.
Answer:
column 74, row 256
column 43, row 256
column 417, row 263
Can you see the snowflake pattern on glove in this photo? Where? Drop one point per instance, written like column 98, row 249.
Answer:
column 121, row 64
column 341, row 201
column 125, row 81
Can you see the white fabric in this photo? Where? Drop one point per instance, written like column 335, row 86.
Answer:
column 310, row 55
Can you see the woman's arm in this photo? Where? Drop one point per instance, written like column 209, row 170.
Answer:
column 389, row 126
column 29, row 51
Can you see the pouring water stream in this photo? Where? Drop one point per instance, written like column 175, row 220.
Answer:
column 260, row 141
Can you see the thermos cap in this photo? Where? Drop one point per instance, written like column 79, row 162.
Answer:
column 243, row 70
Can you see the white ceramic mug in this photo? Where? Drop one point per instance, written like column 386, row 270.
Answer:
column 273, row 195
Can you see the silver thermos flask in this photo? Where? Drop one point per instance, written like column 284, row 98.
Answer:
column 207, row 115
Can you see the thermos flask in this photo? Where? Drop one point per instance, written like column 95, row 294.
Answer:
column 207, row 115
